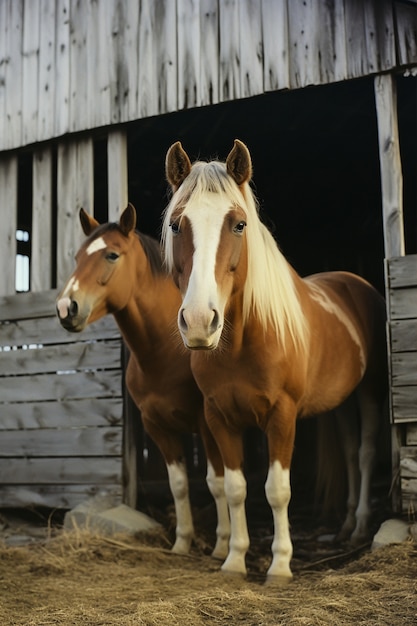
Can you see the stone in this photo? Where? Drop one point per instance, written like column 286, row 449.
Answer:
column 391, row 531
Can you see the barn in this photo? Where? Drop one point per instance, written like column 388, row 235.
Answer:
column 92, row 93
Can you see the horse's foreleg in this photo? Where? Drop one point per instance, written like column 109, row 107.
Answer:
column 178, row 482
column 281, row 433
column 231, row 447
column 171, row 446
column 215, row 483
column 235, row 489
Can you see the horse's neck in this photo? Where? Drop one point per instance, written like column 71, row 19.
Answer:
column 148, row 319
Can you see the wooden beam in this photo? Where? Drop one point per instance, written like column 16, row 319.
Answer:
column 390, row 165
column 41, row 259
column 8, row 219
column 117, row 173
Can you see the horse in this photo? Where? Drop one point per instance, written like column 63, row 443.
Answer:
column 267, row 346
column 120, row 271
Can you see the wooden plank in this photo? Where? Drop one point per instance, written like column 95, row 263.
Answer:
column 303, row 43
column 75, row 190
column 79, row 78
column 390, row 165
column 403, row 303
column 404, row 404
column 229, row 86
column 54, row 496
column 41, row 255
column 188, row 25
column 117, row 173
column 46, row 99
column 406, row 32
column 379, row 32
column 209, row 43
column 332, row 59
column 60, row 358
column 8, row 220
column 3, row 65
column 98, row 384
column 65, row 442
column 411, row 435
column 356, row 51
column 30, row 70
column 61, row 86
column 403, row 271
column 251, row 48
column 99, row 31
column 60, row 471
column 67, row 414
column 275, row 45
column 403, row 335
column 404, row 369
column 46, row 331
column 13, row 134
column 129, row 58
column 408, row 462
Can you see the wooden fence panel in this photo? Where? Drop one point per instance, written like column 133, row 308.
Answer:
column 61, row 406
column 402, row 318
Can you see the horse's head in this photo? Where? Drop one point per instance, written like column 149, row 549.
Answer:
column 205, row 239
column 102, row 281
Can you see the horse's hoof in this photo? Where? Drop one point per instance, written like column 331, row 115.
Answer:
column 278, row 581
column 233, row 575
column 220, row 555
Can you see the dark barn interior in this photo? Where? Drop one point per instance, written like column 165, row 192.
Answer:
column 316, row 176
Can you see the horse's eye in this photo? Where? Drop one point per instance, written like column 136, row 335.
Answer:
column 239, row 228
column 175, row 227
column 112, row 257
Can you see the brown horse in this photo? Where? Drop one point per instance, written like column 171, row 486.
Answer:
column 120, row 271
column 268, row 346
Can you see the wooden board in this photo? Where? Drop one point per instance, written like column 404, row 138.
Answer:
column 54, row 496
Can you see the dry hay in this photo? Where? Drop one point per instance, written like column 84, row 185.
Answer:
column 83, row 579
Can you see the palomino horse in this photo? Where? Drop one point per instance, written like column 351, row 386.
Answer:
column 120, row 271
column 268, row 346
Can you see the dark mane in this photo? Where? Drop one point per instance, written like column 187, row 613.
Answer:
column 153, row 253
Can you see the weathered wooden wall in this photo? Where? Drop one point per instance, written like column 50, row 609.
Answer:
column 92, row 63
column 61, row 406
column 402, row 289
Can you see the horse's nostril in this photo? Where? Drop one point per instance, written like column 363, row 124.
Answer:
column 73, row 309
column 215, row 321
column 181, row 321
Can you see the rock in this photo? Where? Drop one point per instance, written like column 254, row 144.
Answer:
column 413, row 531
column 100, row 515
column 391, row 531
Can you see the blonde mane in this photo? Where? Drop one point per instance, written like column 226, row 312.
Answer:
column 270, row 293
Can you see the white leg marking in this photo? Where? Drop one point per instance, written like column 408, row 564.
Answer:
column 178, row 482
column 278, row 494
column 97, row 244
column 216, row 487
column 235, row 488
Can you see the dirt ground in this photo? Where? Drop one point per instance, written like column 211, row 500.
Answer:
column 82, row 579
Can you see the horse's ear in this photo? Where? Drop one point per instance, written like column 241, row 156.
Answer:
column 88, row 223
column 127, row 221
column 239, row 163
column 177, row 165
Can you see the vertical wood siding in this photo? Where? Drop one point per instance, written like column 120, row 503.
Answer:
column 91, row 63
